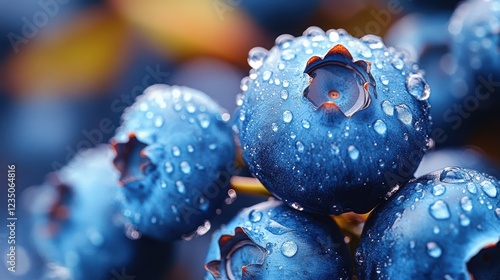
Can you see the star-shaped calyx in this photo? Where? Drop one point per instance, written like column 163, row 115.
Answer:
column 339, row 81
column 240, row 257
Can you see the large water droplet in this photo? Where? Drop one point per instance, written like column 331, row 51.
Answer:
column 471, row 187
column 289, row 249
column 466, row 203
column 185, row 167
column 255, row 216
column 353, row 152
column 384, row 80
column 404, row 114
column 439, row 210
column 489, row 188
column 387, row 108
column 417, row 87
column 454, row 175
column 299, row 146
column 380, row 127
column 256, row 57
column 180, row 187
column 438, row 190
column 434, row 250
column 397, row 62
column 204, row 120
column 287, row 116
column 314, row 32
column 284, row 41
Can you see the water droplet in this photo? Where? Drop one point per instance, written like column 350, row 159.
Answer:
column 190, row 108
column 176, row 151
column 274, row 127
column 306, row 124
column 212, row 146
column 404, row 114
column 314, row 32
column 471, row 187
column 417, row 87
column 489, row 189
column 497, row 212
column 434, row 250
column 287, row 55
column 149, row 115
column 412, row 244
column 255, row 216
column 397, row 62
column 204, row 120
column 289, row 249
column 287, row 116
column 380, row 127
column 185, row 167
column 284, row 41
column 335, row 149
column 438, row 190
column 384, row 80
column 454, row 175
column 297, row 206
column 153, row 220
column 464, row 220
column 466, row 203
column 387, row 108
column 169, row 167
column 299, row 146
column 353, row 152
column 365, row 51
column 284, row 94
column 203, row 203
column 256, row 57
column 144, row 106
column 158, row 121
column 374, row 42
column 190, row 148
column 245, row 82
column 439, row 210
column 266, row 75
column 436, row 230
column 180, row 187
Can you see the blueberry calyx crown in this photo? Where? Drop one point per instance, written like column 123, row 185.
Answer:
column 339, row 81
column 237, row 252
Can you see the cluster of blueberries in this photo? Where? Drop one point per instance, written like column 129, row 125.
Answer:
column 329, row 124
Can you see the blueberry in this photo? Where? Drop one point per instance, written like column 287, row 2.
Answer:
column 175, row 152
column 78, row 224
column 272, row 241
column 330, row 123
column 432, row 227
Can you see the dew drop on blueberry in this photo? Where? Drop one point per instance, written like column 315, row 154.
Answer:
column 158, row 121
column 289, row 249
column 374, row 42
column 380, row 127
column 464, row 220
column 274, row 127
column 255, row 216
column 417, row 87
column 433, row 250
column 180, row 187
column 454, row 175
column 284, row 41
column 299, row 146
column 306, row 124
column 287, row 116
column 204, row 120
column 266, row 75
column 489, row 189
column 438, row 190
column 176, row 151
column 384, row 80
column 439, row 210
column 497, row 213
column 169, row 168
column 353, row 152
column 185, row 167
column 387, row 108
column 471, row 187
column 404, row 114
column 466, row 203
column 256, row 57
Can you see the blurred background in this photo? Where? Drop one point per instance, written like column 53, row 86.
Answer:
column 68, row 69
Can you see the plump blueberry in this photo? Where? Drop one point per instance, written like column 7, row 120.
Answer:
column 432, row 227
column 465, row 157
column 77, row 223
column 175, row 152
column 272, row 241
column 330, row 123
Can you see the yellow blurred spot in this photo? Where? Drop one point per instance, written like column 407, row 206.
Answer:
column 248, row 185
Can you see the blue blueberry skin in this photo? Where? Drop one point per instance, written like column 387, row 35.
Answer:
column 323, row 159
column 466, row 157
column 272, row 241
column 175, row 152
column 432, row 227
column 77, row 223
